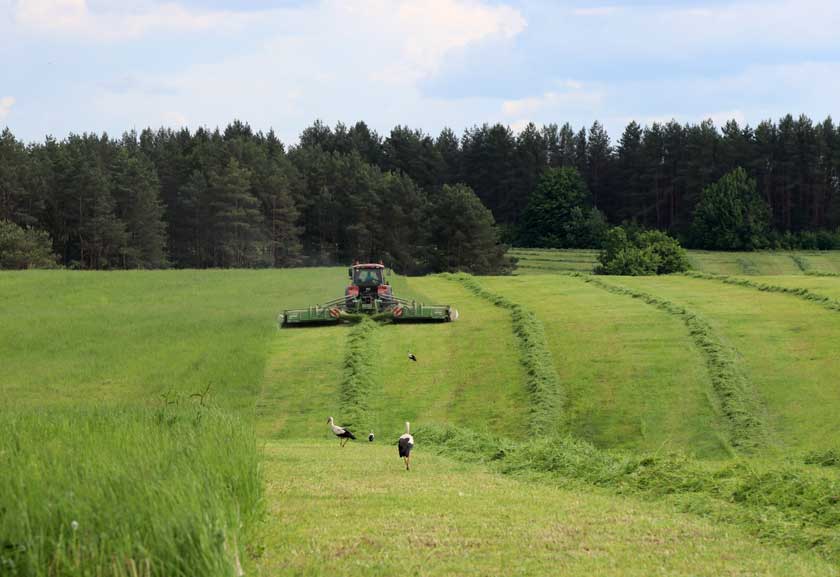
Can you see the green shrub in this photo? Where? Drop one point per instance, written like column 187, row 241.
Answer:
column 22, row 248
column 806, row 240
column 633, row 253
column 118, row 492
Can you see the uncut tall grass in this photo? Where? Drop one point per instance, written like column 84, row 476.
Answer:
column 126, row 491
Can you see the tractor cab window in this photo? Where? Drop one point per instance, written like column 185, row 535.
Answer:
column 368, row 276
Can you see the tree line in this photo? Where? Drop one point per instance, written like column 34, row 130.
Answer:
column 233, row 198
column 239, row 198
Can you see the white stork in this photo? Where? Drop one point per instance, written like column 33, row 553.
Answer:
column 412, row 357
column 404, row 445
column 340, row 432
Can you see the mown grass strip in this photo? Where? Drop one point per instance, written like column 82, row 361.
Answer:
column 737, row 398
column 527, row 265
column 790, row 505
column 747, row 266
column 543, row 385
column 358, row 382
column 803, row 293
column 121, row 492
column 801, row 262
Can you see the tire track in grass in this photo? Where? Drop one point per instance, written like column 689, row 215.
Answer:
column 543, row 385
column 738, row 399
column 802, row 293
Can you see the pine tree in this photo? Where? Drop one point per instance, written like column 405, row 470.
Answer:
column 239, row 238
column 282, row 219
column 560, row 213
column 366, row 142
column 400, row 223
column 101, row 234
column 531, row 162
column 628, row 201
column 581, row 159
column 449, row 149
column 598, row 164
column 136, row 189
column 462, row 235
column 19, row 201
column 488, row 163
column 651, row 186
column 570, row 148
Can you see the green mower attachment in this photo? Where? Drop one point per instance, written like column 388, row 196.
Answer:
column 368, row 295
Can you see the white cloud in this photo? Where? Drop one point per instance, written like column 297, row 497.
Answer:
column 757, row 93
column 434, row 27
column 6, row 104
column 174, row 119
column 722, row 117
column 344, row 61
column 671, row 31
column 575, row 99
column 425, row 32
column 373, row 60
column 119, row 21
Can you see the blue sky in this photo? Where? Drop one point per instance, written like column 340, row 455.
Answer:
column 107, row 65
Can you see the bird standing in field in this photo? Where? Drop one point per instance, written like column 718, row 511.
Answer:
column 404, row 445
column 343, row 434
column 412, row 357
column 370, row 437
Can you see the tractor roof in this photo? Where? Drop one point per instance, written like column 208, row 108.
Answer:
column 369, row 265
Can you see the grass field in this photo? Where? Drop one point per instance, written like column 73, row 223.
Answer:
column 633, row 376
column 787, row 346
column 545, row 261
column 660, row 492
column 354, row 512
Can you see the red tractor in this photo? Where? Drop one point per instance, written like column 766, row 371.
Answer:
column 368, row 294
column 368, row 291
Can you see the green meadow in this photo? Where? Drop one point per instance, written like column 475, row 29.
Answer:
column 160, row 423
column 544, row 261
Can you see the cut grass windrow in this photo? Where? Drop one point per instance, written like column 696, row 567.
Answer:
column 527, row 265
column 821, row 273
column 543, row 385
column 737, row 398
column 358, row 382
column 803, row 293
column 801, row 262
column 747, row 266
column 787, row 504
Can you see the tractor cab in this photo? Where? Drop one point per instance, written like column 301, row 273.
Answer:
column 367, row 275
column 368, row 289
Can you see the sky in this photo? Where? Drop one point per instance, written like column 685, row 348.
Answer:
column 72, row 66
